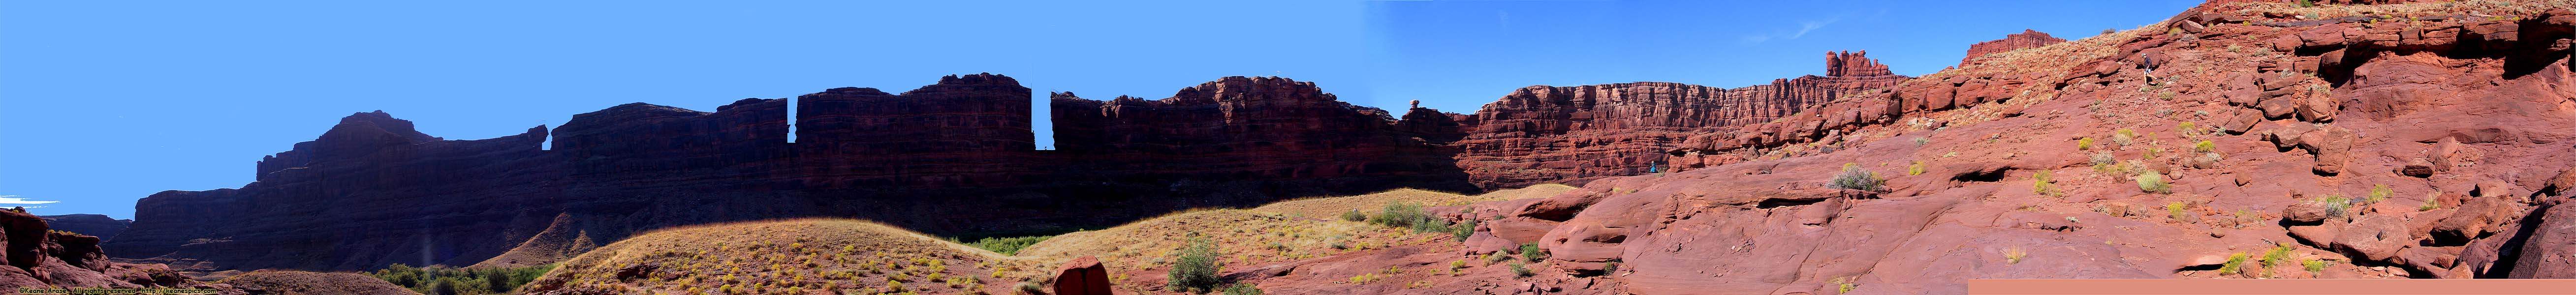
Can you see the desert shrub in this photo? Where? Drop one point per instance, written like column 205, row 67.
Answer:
column 467, row 281
column 2429, row 205
column 1195, row 270
column 2109, row 31
column 2175, row 210
column 2084, row 143
column 1030, row 288
column 1532, row 253
column 1923, row 140
column 1491, row 258
column 2336, row 205
column 1610, row 267
column 2278, row 256
column 2041, row 184
column 2313, row 265
column 1521, row 270
column 1354, row 215
column 1463, row 230
column 2014, row 255
column 2102, row 158
column 1400, row 214
column 1242, row 289
column 1916, row 169
column 1853, row 177
column 2235, row 264
column 2187, row 128
column 2378, row 193
column 2205, row 146
column 2151, row 153
column 2153, row 183
column 1006, row 245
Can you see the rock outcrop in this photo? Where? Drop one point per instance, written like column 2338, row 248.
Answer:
column 1082, row 276
column 40, row 257
column 1542, row 134
column 88, row 224
column 2025, row 39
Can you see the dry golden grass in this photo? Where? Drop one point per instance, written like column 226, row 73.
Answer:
column 859, row 257
column 793, row 256
column 1327, row 207
column 1243, row 237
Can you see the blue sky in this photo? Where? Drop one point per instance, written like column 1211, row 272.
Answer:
column 102, row 103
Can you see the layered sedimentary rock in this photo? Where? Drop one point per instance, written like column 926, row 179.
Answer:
column 2025, row 39
column 38, row 256
column 88, row 224
column 369, row 192
column 954, row 158
column 1542, row 134
column 1247, row 128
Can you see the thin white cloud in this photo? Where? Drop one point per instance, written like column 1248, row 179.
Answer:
column 1811, row 26
column 13, row 199
column 1803, row 28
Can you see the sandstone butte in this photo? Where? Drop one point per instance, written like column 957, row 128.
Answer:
column 2422, row 140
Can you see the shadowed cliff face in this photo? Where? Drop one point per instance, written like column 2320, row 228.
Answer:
column 88, row 224
column 951, row 158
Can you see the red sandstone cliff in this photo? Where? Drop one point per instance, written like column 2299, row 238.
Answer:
column 1541, row 134
column 2025, row 39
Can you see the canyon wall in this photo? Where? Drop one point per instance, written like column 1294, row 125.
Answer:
column 953, row 158
column 1542, row 134
column 88, row 224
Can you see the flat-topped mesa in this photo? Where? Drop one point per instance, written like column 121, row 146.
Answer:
column 1238, row 128
column 1851, row 63
column 2026, row 39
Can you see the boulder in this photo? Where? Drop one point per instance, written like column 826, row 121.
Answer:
column 1082, row 276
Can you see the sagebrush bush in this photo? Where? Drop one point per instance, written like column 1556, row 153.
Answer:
column 1195, row 270
column 2084, row 143
column 1853, row 177
column 1354, row 215
column 1521, row 270
column 2278, row 256
column 2235, row 264
column 430, row 280
column 2153, row 182
column 1532, row 252
column 1242, row 289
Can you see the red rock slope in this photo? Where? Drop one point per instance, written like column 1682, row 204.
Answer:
column 2415, row 140
column 38, row 257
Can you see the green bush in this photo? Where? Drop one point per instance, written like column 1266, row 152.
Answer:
column 467, row 281
column 2277, row 257
column 1521, row 270
column 2153, row 183
column 1242, row 289
column 1853, row 177
column 1354, row 215
column 1006, row 245
column 1196, row 269
column 1532, row 253
column 2235, row 264
column 2314, row 265
column 2205, row 146
column 2042, row 184
column 1463, row 230
column 2084, row 143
